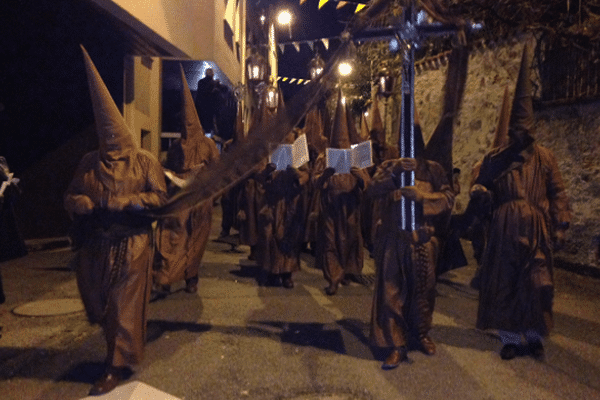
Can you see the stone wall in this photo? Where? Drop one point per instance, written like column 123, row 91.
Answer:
column 570, row 131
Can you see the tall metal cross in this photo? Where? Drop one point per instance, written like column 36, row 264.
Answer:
column 410, row 34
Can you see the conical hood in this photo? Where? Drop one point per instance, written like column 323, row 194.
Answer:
column 521, row 116
column 190, row 122
column 114, row 136
column 313, row 128
column 501, row 134
column 419, row 142
column 339, row 132
column 364, row 127
column 353, row 133
column 238, row 135
column 194, row 148
column 439, row 146
column 377, row 134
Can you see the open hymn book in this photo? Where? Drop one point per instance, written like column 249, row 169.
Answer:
column 342, row 160
column 295, row 154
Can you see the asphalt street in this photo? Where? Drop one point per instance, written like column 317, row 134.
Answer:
column 237, row 340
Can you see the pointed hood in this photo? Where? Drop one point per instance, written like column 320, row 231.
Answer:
column 114, row 136
column 377, row 133
column 419, row 142
column 439, row 146
column 339, row 133
column 313, row 128
column 364, row 127
column 239, row 135
column 501, row 134
column 194, row 148
column 521, row 116
column 353, row 133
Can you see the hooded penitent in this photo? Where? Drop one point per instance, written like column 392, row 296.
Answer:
column 117, row 148
column 194, row 148
column 339, row 133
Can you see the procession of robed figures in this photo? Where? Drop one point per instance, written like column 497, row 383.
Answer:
column 140, row 225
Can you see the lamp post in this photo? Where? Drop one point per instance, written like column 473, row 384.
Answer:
column 385, row 85
column 283, row 17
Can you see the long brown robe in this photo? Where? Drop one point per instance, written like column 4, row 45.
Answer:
column 281, row 221
column 339, row 240
column 404, row 295
column 516, row 276
column 182, row 238
column 114, row 257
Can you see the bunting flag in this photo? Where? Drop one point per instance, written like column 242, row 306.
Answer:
column 311, row 43
column 340, row 4
column 322, row 3
column 302, row 2
column 359, row 7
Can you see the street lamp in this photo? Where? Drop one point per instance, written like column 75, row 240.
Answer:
column 385, row 81
column 256, row 68
column 344, row 68
column 283, row 17
column 316, row 66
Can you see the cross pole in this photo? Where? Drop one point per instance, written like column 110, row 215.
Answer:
column 410, row 33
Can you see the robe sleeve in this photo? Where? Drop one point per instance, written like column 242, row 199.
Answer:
column 560, row 210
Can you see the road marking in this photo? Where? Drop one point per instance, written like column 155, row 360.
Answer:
column 321, row 299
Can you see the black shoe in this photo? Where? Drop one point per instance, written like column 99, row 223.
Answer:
column 110, row 380
column 509, row 351
column 536, row 349
column 427, row 345
column 331, row 289
column 191, row 285
column 395, row 358
column 287, row 282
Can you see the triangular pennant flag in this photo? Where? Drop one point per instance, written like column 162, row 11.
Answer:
column 300, row 81
column 325, row 43
column 302, row 2
column 278, row 78
column 311, row 44
column 292, row 80
column 340, row 4
column 296, row 46
column 359, row 7
column 322, row 3
column 281, row 47
column 285, row 78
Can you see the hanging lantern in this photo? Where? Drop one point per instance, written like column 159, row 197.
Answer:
column 316, row 66
column 271, row 97
column 256, row 68
column 385, row 81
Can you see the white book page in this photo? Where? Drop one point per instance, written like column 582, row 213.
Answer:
column 362, row 154
column 300, row 154
column 338, row 159
column 282, row 156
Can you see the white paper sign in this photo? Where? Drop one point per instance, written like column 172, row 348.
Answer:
column 342, row 160
column 295, row 154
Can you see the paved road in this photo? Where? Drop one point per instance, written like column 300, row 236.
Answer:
column 236, row 340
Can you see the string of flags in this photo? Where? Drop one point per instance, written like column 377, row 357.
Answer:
column 340, row 4
column 310, row 43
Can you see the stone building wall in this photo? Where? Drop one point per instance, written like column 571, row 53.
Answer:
column 572, row 132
